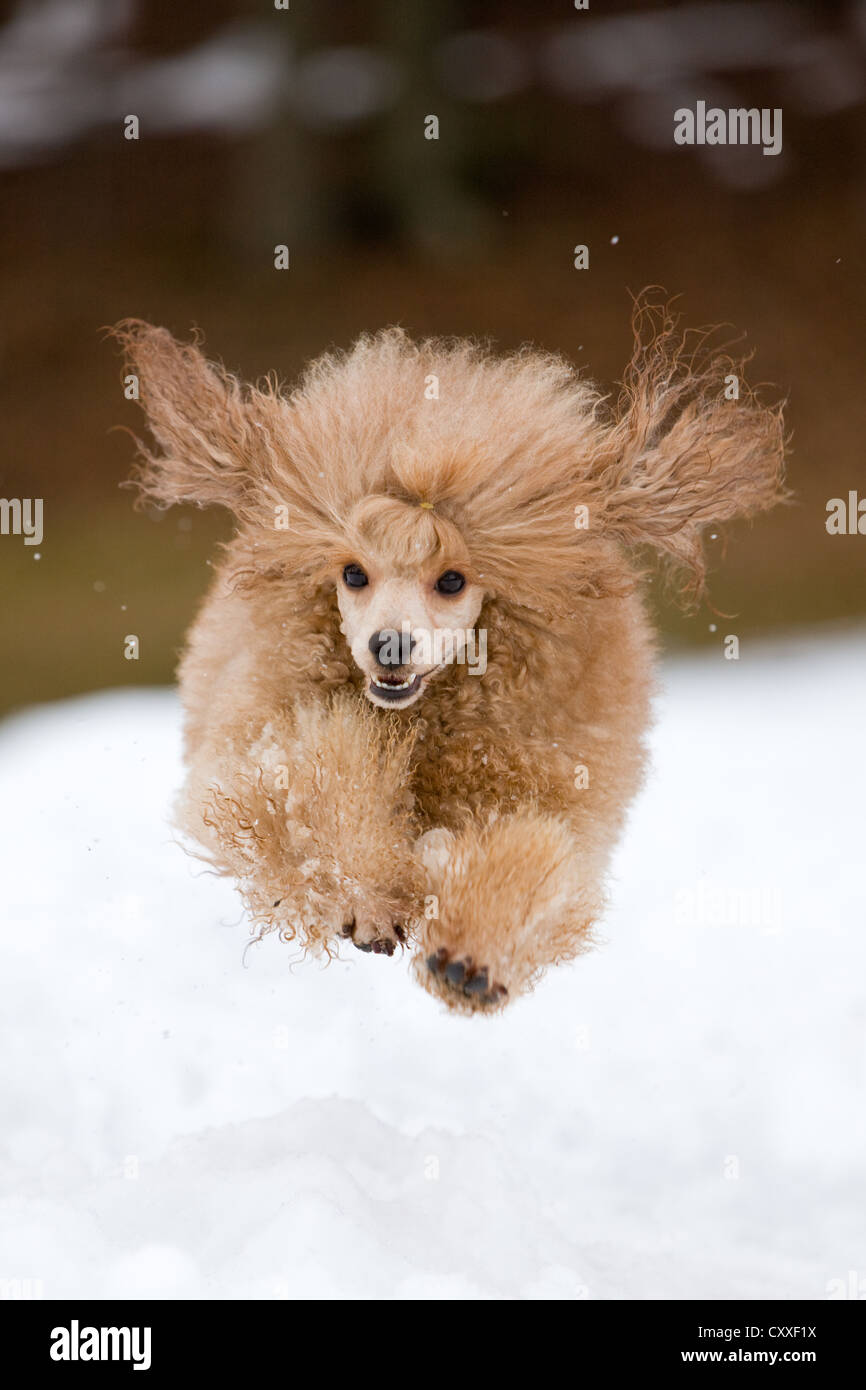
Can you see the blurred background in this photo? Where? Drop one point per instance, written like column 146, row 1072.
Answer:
column 304, row 126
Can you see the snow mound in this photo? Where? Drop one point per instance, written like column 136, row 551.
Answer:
column 679, row 1114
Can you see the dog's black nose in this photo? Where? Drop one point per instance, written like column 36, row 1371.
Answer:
column 391, row 648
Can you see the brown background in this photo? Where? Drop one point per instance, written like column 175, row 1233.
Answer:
column 556, row 129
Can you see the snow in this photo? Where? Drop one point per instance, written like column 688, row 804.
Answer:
column 679, row 1114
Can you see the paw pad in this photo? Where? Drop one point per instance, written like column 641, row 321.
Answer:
column 380, row 946
column 461, row 975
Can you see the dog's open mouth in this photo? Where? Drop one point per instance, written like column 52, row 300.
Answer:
column 395, row 688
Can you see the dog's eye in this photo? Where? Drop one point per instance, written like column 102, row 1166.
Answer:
column 450, row 582
column 354, row 577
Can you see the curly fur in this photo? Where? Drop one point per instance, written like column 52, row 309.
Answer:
column 463, row 820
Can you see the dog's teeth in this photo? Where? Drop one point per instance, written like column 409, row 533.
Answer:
column 394, row 685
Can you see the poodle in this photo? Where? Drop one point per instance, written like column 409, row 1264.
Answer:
column 416, row 695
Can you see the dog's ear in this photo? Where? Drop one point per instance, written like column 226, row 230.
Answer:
column 199, row 416
column 691, row 445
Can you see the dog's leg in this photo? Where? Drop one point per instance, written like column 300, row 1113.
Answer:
column 313, row 821
column 506, row 900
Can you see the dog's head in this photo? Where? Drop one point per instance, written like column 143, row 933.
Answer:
column 417, row 479
column 409, row 598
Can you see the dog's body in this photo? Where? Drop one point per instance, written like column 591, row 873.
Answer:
column 386, row 798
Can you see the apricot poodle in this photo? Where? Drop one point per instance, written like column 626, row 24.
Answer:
column 417, row 692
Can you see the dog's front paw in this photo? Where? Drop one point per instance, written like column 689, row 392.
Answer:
column 463, row 984
column 374, row 932
column 370, row 922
